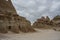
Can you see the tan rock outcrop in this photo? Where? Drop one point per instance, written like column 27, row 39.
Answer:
column 43, row 22
column 10, row 21
column 57, row 20
column 47, row 23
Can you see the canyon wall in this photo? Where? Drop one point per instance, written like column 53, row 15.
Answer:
column 11, row 21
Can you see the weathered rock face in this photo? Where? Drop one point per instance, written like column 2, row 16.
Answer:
column 23, row 24
column 9, row 20
column 6, row 6
column 43, row 23
column 57, row 20
column 47, row 23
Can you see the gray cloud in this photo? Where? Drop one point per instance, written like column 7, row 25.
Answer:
column 34, row 9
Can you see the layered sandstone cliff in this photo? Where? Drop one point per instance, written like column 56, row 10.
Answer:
column 10, row 21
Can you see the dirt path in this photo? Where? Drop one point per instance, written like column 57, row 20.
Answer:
column 40, row 35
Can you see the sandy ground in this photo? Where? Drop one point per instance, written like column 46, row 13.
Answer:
column 39, row 35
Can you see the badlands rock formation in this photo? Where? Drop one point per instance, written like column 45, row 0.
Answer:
column 47, row 23
column 57, row 20
column 11, row 21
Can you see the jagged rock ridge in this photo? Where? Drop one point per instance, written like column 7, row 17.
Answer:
column 47, row 23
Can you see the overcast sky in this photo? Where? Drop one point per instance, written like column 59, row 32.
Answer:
column 34, row 9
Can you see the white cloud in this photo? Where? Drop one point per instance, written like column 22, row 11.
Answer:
column 41, row 8
column 54, row 6
column 34, row 9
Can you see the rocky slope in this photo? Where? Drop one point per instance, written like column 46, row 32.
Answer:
column 10, row 21
column 57, row 20
column 44, row 23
